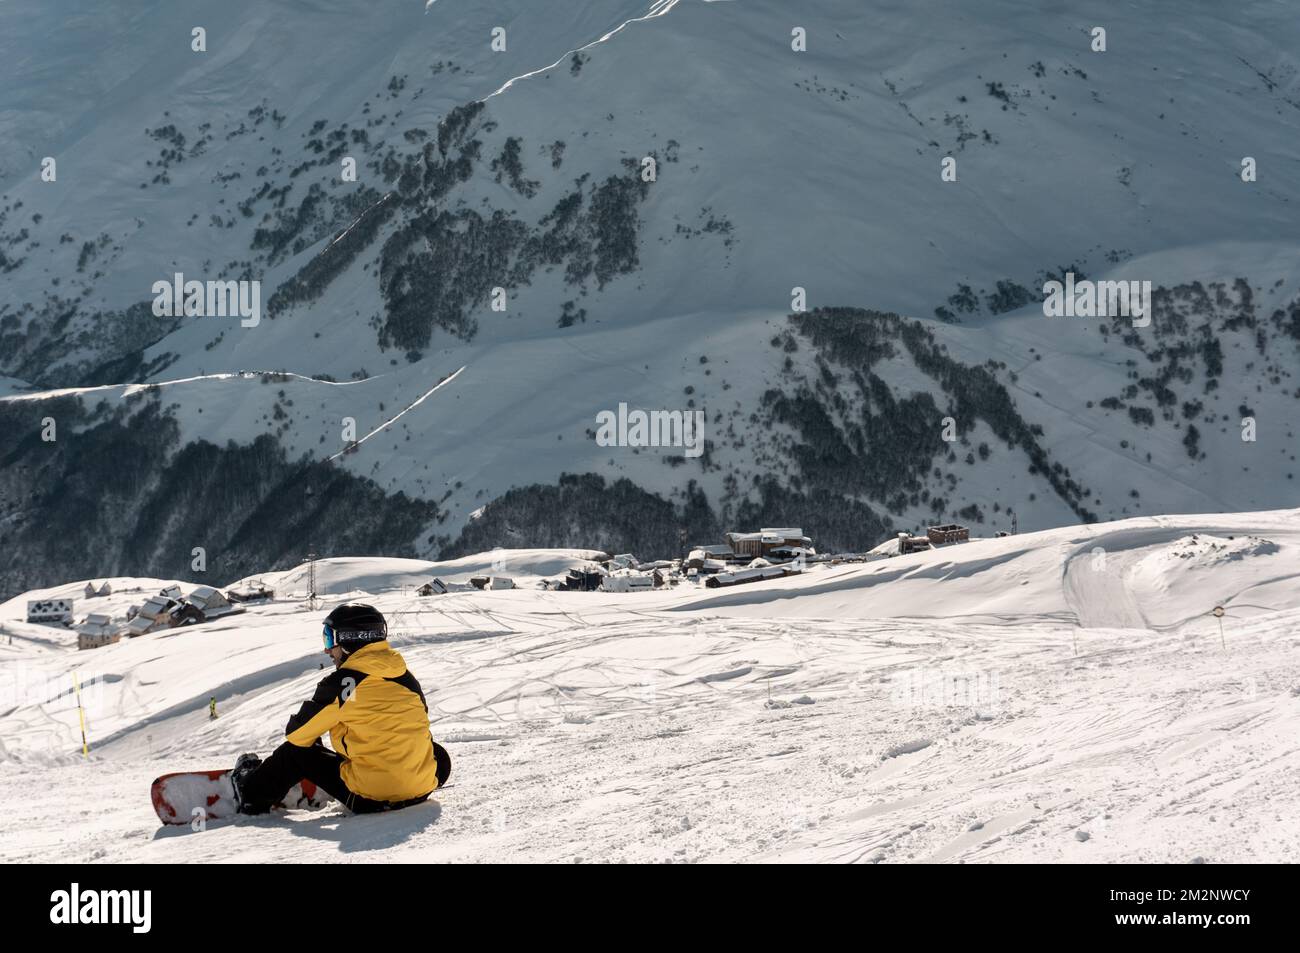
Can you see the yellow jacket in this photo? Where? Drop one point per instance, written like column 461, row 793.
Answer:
column 378, row 720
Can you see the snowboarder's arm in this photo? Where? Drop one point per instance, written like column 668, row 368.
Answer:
column 323, row 712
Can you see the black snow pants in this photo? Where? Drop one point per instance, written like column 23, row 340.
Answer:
column 289, row 764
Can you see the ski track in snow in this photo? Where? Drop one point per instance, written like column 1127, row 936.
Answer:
column 411, row 406
column 672, row 727
column 127, row 390
column 657, row 9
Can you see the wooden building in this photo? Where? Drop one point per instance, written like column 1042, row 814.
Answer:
column 97, row 631
column 768, row 541
column 908, row 543
column 948, row 533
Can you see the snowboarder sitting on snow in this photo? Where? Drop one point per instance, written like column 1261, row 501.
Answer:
column 378, row 723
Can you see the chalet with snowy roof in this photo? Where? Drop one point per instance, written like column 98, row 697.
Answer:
column 170, row 608
column 584, row 580
column 50, row 611
column 781, row 542
column 628, row 580
column 212, row 601
column 709, row 566
column 754, row 574
column 153, row 614
column 709, row 558
column 97, row 631
column 255, row 592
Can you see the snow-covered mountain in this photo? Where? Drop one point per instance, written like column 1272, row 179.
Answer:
column 379, row 403
column 1063, row 695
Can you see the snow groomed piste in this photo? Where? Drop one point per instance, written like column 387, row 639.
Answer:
column 1064, row 695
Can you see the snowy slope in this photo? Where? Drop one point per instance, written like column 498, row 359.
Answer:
column 1061, row 695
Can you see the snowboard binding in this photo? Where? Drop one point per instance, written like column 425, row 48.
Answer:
column 246, row 765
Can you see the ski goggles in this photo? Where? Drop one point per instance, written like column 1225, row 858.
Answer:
column 333, row 636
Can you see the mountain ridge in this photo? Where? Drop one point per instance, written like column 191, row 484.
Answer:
column 667, row 293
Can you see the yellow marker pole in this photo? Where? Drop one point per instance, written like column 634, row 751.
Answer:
column 81, row 712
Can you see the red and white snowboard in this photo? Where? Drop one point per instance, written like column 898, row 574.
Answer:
column 181, row 797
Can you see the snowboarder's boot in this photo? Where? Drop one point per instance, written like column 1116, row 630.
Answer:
column 246, row 765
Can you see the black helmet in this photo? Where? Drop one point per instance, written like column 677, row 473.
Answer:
column 353, row 625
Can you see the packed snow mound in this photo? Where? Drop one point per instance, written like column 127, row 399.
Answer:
column 1156, row 574
column 360, row 574
column 1203, row 550
column 1101, row 575
column 1245, row 575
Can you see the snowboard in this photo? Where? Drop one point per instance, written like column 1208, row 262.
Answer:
column 176, row 796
